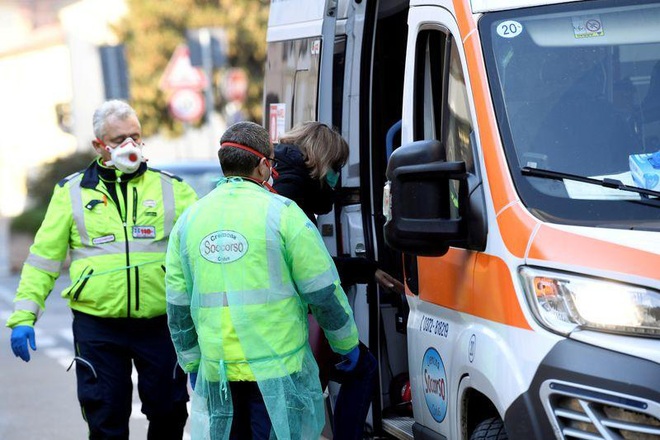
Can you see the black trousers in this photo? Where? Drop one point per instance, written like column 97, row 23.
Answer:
column 106, row 349
column 251, row 420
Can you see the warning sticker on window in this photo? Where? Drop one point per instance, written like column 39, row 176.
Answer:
column 588, row 26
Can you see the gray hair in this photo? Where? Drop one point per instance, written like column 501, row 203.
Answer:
column 114, row 107
column 238, row 162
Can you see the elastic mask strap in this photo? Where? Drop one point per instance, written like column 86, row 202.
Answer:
column 265, row 184
column 105, row 147
column 253, row 151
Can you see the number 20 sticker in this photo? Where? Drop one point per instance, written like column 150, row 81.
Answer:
column 509, row 29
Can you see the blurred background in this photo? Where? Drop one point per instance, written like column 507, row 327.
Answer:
column 189, row 68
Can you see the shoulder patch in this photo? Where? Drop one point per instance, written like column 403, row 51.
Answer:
column 63, row 182
column 168, row 174
column 282, row 199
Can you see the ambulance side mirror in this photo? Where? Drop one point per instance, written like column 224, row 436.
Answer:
column 425, row 200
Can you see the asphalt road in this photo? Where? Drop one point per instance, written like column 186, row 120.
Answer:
column 38, row 399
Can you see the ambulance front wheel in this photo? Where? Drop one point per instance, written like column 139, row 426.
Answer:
column 490, row 429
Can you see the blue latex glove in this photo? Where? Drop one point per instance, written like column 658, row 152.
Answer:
column 20, row 336
column 193, row 380
column 655, row 159
column 349, row 361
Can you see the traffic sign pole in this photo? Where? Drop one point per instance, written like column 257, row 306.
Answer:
column 207, row 61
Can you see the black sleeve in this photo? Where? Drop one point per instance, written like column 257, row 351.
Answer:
column 320, row 198
column 295, row 183
column 291, row 186
column 355, row 270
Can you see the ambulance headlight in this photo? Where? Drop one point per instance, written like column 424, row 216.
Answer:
column 563, row 302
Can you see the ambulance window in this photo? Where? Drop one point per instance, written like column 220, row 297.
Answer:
column 573, row 88
column 305, row 86
column 457, row 134
column 442, row 108
column 291, row 79
column 338, row 66
column 429, row 65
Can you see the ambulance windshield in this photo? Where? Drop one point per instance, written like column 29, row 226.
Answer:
column 577, row 91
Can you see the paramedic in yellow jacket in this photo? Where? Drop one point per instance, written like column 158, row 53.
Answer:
column 114, row 219
column 243, row 267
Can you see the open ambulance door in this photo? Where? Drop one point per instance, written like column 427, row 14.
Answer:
column 376, row 33
column 341, row 62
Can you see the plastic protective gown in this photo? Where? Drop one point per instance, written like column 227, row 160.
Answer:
column 243, row 268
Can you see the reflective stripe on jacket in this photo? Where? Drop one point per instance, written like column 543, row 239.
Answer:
column 117, row 251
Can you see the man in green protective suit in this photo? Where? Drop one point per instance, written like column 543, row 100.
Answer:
column 244, row 266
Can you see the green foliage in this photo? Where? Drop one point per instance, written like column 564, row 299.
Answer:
column 40, row 189
column 28, row 221
column 153, row 30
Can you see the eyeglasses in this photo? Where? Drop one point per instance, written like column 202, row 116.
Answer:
column 272, row 161
column 114, row 143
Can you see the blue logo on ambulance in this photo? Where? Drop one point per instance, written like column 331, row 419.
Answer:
column 434, row 380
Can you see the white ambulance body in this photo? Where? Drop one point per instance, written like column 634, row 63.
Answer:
column 501, row 131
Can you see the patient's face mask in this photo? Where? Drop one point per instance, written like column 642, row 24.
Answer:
column 126, row 157
column 332, row 178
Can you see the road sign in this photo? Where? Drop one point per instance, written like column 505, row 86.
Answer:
column 187, row 105
column 180, row 74
column 235, row 84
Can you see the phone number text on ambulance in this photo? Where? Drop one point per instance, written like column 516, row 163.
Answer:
column 434, row 326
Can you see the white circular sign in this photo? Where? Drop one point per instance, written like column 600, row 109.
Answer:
column 509, row 29
column 187, row 105
column 235, row 85
column 223, row 247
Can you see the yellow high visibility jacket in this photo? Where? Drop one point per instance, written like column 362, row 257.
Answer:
column 117, row 251
column 244, row 266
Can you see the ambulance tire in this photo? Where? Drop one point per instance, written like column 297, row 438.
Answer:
column 490, row 429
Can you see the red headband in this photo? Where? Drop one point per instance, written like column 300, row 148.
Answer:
column 253, row 151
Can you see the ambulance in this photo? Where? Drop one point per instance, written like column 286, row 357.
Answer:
column 504, row 164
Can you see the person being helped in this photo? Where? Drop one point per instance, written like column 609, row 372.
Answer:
column 243, row 267
column 113, row 218
column 309, row 158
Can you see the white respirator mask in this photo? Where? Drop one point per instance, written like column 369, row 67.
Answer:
column 126, row 157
